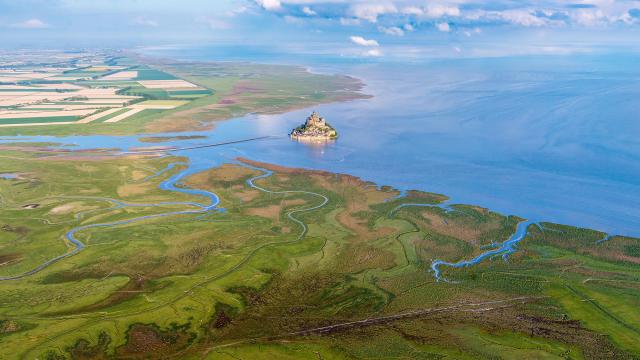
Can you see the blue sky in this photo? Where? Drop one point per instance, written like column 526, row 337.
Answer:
column 373, row 28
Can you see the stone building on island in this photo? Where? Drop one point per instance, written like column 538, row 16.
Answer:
column 314, row 128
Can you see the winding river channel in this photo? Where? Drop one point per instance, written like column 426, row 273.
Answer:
column 503, row 249
column 520, row 136
column 211, row 202
column 173, row 184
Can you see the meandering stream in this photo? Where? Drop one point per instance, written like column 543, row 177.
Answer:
column 172, row 184
column 503, row 249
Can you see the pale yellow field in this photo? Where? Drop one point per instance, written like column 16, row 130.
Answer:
column 38, row 124
column 38, row 114
column 65, row 78
column 98, row 91
column 97, row 116
column 123, row 100
column 13, row 76
column 167, row 84
column 122, row 75
column 123, row 116
column 30, row 98
column 159, row 104
column 70, row 106
column 64, row 86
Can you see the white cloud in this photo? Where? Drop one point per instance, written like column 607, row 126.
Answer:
column 412, row 10
column 270, row 4
column 373, row 53
column 437, row 11
column 522, row 17
column 363, row 42
column 588, row 17
column 408, row 27
column 470, row 12
column 393, row 30
column 371, row 12
column 31, row 24
column 433, row 11
column 308, row 11
column 444, row 27
column 143, row 21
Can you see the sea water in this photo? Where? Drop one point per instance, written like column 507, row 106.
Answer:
column 549, row 138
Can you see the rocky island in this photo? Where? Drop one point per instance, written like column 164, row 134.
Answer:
column 314, row 128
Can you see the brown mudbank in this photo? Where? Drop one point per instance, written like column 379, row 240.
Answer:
column 222, row 320
column 148, row 341
column 592, row 344
column 8, row 258
column 8, row 326
column 133, row 288
column 84, row 350
column 20, row 230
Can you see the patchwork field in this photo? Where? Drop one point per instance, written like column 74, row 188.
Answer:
column 303, row 265
column 63, row 96
column 68, row 97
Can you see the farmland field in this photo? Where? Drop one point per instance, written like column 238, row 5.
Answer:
column 152, row 74
column 202, row 94
column 29, row 120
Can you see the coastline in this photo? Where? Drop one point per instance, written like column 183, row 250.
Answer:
column 259, row 95
column 443, row 248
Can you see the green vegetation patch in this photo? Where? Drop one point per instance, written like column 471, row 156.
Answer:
column 154, row 94
column 153, row 74
column 50, row 119
column 190, row 92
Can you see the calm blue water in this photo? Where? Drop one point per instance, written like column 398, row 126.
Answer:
column 545, row 138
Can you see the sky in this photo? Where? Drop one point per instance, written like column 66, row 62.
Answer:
column 357, row 28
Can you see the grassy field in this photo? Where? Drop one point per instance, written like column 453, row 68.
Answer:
column 244, row 284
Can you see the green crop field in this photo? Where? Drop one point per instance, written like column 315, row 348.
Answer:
column 50, row 119
column 152, row 74
column 286, row 274
column 147, row 93
column 190, row 92
column 85, row 73
column 109, row 116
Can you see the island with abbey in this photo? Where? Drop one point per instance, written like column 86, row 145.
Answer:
column 314, row 128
